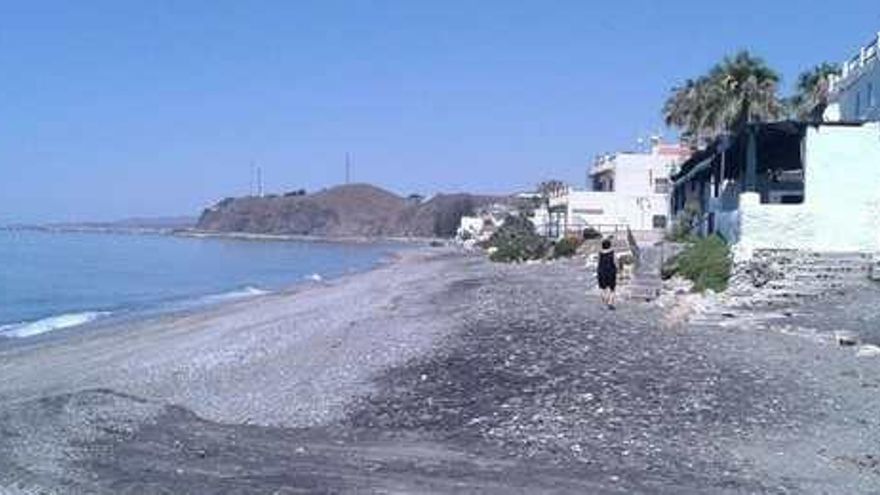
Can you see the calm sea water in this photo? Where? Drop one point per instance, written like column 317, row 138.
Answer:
column 58, row 280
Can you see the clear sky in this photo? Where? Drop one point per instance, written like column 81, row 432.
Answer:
column 111, row 109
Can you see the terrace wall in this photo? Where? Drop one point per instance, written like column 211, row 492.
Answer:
column 841, row 209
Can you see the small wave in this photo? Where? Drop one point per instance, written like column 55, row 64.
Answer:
column 68, row 320
column 315, row 277
column 248, row 291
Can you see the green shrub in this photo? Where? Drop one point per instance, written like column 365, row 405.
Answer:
column 706, row 263
column 516, row 240
column 566, row 247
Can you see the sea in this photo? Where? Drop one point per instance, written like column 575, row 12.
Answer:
column 58, row 280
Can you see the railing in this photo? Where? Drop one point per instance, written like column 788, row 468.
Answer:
column 854, row 67
column 633, row 247
column 576, row 229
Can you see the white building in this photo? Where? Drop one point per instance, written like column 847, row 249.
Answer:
column 788, row 185
column 629, row 190
column 855, row 94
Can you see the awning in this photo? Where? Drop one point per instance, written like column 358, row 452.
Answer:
column 694, row 170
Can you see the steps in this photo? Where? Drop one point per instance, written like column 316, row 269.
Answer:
column 646, row 284
column 789, row 277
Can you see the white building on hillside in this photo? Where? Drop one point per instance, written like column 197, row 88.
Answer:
column 855, row 94
column 629, row 190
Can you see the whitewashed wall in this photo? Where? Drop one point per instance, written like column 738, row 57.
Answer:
column 635, row 211
column 841, row 209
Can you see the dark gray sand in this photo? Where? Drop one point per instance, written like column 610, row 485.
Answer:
column 439, row 373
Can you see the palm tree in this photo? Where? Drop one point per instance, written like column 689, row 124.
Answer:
column 748, row 91
column 684, row 110
column 692, row 108
column 811, row 97
column 739, row 90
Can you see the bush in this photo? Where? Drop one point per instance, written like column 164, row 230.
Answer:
column 516, row 240
column 706, row 263
column 566, row 247
column 682, row 230
column 590, row 233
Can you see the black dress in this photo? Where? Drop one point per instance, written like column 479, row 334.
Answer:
column 607, row 270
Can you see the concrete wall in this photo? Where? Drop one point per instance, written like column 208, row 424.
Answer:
column 617, row 208
column 841, row 209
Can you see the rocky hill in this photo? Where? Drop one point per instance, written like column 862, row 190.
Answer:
column 357, row 210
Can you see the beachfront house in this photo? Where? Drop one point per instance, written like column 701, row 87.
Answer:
column 786, row 185
column 854, row 95
column 625, row 190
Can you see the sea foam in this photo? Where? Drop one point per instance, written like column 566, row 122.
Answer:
column 67, row 320
column 245, row 292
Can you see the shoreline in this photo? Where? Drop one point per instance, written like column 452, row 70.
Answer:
column 88, row 318
column 191, row 306
column 190, row 327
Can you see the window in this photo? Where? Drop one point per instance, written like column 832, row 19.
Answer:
column 659, row 221
column 858, row 104
column 871, row 97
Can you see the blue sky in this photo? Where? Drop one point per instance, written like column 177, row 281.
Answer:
column 115, row 109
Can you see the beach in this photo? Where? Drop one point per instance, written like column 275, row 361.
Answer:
column 437, row 372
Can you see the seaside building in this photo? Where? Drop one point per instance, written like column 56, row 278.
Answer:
column 627, row 190
column 787, row 186
column 855, row 94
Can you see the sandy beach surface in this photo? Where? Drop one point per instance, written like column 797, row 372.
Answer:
column 439, row 373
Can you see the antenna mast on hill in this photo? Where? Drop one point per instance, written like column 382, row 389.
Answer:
column 256, row 180
column 253, row 175
column 347, row 168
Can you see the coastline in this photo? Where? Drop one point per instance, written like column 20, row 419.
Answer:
column 89, row 316
column 147, row 344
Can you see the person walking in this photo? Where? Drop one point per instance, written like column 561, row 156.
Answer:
column 606, row 272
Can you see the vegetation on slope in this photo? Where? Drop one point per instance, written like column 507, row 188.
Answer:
column 706, row 262
column 353, row 210
column 516, row 241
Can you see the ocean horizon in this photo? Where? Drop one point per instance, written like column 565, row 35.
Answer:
column 55, row 280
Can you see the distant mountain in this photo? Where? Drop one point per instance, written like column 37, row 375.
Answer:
column 358, row 210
